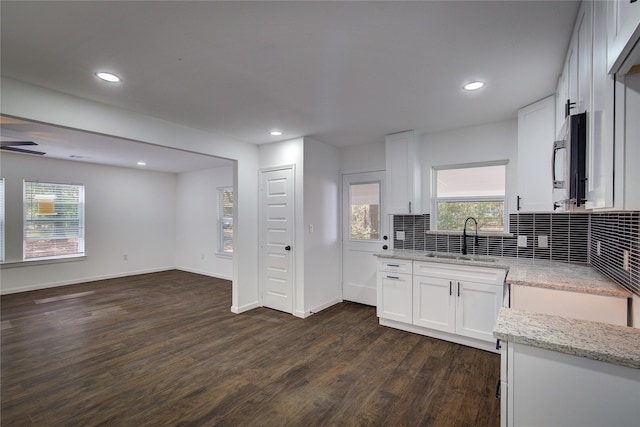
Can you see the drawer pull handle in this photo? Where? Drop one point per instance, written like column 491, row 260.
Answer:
column 458, row 288
column 393, row 265
column 498, row 387
column 393, row 277
column 450, row 288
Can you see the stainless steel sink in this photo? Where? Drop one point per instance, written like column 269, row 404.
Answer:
column 460, row 257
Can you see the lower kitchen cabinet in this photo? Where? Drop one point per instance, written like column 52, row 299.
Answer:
column 395, row 288
column 457, row 303
column 541, row 387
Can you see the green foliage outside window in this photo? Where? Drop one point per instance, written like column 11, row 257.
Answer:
column 489, row 214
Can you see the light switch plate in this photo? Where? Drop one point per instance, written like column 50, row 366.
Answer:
column 522, row 241
column 399, row 235
column 543, row 241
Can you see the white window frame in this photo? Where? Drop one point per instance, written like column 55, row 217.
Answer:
column 222, row 220
column 435, row 199
column 80, row 228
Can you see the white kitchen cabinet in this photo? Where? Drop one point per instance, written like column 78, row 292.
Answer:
column 536, row 134
column 403, row 174
column 600, row 123
column 394, row 290
column 577, row 305
column 433, row 303
column 457, row 299
column 623, row 24
column 542, row 387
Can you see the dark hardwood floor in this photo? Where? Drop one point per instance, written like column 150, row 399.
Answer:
column 164, row 349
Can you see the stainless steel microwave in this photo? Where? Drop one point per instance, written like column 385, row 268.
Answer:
column 569, row 164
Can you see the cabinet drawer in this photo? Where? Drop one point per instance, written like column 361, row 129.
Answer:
column 395, row 266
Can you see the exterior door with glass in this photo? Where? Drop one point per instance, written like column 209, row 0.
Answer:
column 364, row 234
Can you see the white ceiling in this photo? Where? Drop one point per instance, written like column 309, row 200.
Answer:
column 344, row 73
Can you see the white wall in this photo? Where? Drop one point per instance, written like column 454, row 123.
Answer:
column 483, row 143
column 36, row 103
column 197, row 233
column 362, row 158
column 127, row 211
column 322, row 247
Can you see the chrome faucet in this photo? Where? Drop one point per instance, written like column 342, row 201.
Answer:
column 464, row 235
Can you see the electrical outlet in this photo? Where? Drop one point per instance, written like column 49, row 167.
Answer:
column 598, row 248
column 626, row 261
column 522, row 241
column 543, row 241
column 310, row 228
column 399, row 235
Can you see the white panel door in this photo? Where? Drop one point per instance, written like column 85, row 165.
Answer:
column 276, row 243
column 363, row 234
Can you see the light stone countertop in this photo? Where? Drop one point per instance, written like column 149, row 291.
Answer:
column 614, row 344
column 527, row 272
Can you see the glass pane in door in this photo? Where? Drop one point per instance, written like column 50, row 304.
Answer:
column 364, row 200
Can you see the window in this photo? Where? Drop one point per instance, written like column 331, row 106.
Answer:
column 53, row 220
column 1, row 219
column 365, row 211
column 225, row 220
column 464, row 191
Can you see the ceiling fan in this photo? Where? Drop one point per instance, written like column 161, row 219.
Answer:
column 13, row 146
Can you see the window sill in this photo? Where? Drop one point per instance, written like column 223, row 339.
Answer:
column 41, row 261
column 470, row 233
column 225, row 255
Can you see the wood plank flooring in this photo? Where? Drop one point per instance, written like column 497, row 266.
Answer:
column 163, row 349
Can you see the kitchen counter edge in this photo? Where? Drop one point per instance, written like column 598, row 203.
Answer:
column 619, row 345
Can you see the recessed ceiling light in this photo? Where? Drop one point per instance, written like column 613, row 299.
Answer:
column 275, row 133
column 108, row 77
column 142, row 163
column 473, row 85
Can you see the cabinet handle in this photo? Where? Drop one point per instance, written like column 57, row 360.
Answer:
column 450, row 288
column 458, row 288
column 498, row 346
column 518, row 207
column 393, row 265
column 409, row 207
column 498, row 387
column 393, row 277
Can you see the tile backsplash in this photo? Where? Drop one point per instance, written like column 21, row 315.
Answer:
column 570, row 237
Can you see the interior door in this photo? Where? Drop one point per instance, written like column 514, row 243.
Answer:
column 276, row 242
column 364, row 232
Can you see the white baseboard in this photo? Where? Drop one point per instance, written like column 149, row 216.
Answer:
column 81, row 280
column 237, row 310
column 321, row 307
column 204, row 273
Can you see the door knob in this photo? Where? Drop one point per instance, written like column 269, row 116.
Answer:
column 287, row 248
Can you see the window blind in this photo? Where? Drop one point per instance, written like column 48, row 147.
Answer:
column 53, row 220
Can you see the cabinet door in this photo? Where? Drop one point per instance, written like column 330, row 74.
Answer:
column 477, row 307
column 583, row 36
column 600, row 122
column 536, row 133
column 394, row 296
column 403, row 174
column 434, row 303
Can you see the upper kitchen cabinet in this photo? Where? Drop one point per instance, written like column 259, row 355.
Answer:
column 403, row 174
column 536, row 134
column 623, row 23
column 600, row 162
